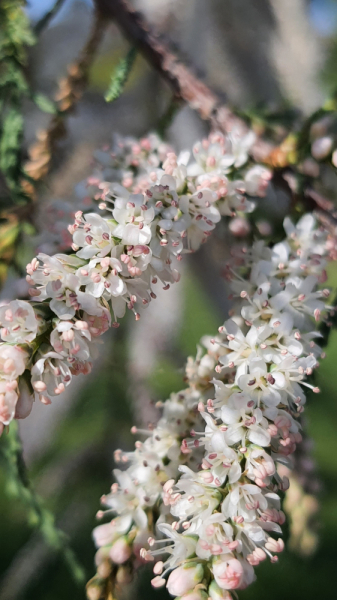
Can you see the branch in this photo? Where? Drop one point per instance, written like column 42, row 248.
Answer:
column 50, row 14
column 183, row 83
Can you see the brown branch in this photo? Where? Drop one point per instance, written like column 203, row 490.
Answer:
column 183, row 83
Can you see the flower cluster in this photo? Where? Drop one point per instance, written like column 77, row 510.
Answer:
column 223, row 516
column 152, row 468
column 156, row 206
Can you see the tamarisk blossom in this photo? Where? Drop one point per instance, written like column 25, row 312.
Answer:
column 225, row 512
column 151, row 471
column 157, row 206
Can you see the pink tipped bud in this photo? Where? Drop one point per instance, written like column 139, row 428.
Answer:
column 120, row 551
column 228, row 574
column 184, row 579
column 275, row 545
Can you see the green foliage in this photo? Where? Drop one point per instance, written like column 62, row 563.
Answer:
column 45, row 104
column 120, row 76
column 18, row 487
column 15, row 36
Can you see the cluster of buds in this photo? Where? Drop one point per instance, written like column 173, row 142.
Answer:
column 156, row 206
column 222, row 515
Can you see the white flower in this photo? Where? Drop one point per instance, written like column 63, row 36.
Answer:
column 194, row 499
column 180, row 547
column 134, row 219
column 129, row 500
column 18, row 322
column 243, row 500
column 305, row 235
column 259, row 465
column 215, row 537
column 240, row 145
column 70, row 341
column 235, row 200
column 261, row 384
column 257, row 180
column 50, row 375
column 93, row 235
column 243, row 422
column 221, row 460
column 13, row 361
column 211, row 156
column 299, row 299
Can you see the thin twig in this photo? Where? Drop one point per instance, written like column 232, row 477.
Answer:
column 70, row 91
column 50, row 14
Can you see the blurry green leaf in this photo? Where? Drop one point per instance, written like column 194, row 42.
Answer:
column 18, row 486
column 45, row 104
column 10, row 144
column 15, row 35
column 120, row 76
column 28, row 228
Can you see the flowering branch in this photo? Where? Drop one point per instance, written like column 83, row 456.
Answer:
column 244, row 413
column 165, row 207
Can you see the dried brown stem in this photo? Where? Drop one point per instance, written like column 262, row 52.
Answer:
column 70, row 91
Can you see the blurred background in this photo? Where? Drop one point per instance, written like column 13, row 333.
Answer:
column 267, row 53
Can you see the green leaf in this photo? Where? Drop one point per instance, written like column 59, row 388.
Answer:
column 120, row 76
column 10, row 144
column 45, row 104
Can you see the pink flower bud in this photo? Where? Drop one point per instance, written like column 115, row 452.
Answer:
column 120, row 551
column 184, row 579
column 239, row 227
column 104, row 534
